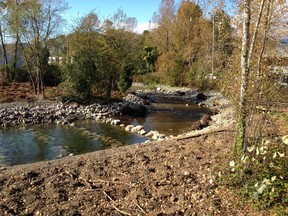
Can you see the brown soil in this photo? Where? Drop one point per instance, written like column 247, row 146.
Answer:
column 160, row 178
column 16, row 92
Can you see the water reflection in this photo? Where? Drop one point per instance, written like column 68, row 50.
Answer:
column 38, row 143
column 170, row 119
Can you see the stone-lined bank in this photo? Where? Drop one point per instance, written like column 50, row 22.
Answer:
column 54, row 113
column 47, row 112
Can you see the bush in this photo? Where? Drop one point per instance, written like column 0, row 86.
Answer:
column 21, row 75
column 153, row 79
column 52, row 77
column 262, row 173
column 125, row 81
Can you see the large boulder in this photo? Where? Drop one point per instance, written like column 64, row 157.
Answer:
column 201, row 97
column 202, row 123
column 133, row 106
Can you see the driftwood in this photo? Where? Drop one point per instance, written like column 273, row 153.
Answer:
column 206, row 132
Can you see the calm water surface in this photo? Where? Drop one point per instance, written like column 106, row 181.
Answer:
column 39, row 143
column 170, row 119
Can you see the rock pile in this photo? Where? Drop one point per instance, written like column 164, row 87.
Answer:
column 134, row 105
column 154, row 135
column 67, row 114
column 55, row 113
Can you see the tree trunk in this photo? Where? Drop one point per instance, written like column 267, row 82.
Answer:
column 5, row 73
column 245, row 70
column 253, row 40
column 15, row 56
column 29, row 67
column 264, row 40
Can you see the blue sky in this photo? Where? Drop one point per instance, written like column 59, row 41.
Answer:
column 142, row 10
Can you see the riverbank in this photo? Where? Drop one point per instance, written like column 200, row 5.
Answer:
column 179, row 176
column 138, row 103
column 157, row 178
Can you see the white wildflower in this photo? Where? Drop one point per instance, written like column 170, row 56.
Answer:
column 275, row 155
column 281, row 154
column 266, row 182
column 263, row 150
column 257, row 151
column 273, row 178
column 244, row 158
column 256, row 185
column 232, row 163
column 285, row 139
column 250, row 148
column 266, row 142
column 262, row 188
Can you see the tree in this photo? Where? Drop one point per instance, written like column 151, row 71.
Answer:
column 252, row 84
column 242, row 118
column 181, row 38
column 149, row 57
column 190, row 42
column 81, row 71
column 119, row 44
column 163, row 21
column 39, row 21
column 14, row 9
column 222, row 46
column 125, row 81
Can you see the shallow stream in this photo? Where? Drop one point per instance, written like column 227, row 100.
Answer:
column 23, row 145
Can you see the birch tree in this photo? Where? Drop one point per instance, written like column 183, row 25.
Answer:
column 245, row 70
column 251, row 60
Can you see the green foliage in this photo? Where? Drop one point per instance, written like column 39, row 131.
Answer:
column 83, row 75
column 153, row 79
column 52, row 76
column 262, row 173
column 21, row 74
column 149, row 57
column 125, row 81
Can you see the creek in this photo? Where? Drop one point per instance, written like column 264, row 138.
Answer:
column 22, row 145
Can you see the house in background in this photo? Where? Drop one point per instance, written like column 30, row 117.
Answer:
column 279, row 69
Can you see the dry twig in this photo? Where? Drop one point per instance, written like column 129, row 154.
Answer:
column 140, row 207
column 117, row 209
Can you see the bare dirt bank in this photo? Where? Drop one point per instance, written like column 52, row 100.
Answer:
column 172, row 177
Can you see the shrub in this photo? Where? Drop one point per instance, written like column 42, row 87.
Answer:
column 125, row 81
column 52, row 77
column 262, row 173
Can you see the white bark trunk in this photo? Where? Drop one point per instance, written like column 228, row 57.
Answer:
column 241, row 127
column 256, row 29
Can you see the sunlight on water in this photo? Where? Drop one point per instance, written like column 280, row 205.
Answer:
column 39, row 143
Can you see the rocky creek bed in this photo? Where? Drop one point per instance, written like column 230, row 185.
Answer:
column 137, row 103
